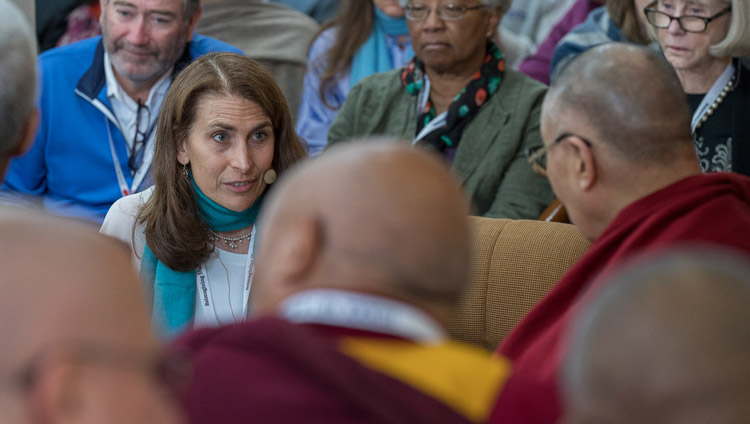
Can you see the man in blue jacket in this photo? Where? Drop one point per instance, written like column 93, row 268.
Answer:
column 99, row 105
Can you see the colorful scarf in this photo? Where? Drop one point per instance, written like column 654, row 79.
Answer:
column 174, row 292
column 464, row 106
column 374, row 56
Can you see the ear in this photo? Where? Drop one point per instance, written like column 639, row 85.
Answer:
column 182, row 154
column 27, row 135
column 584, row 164
column 57, row 395
column 298, row 250
column 193, row 23
column 289, row 259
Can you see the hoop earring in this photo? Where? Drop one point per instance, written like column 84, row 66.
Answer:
column 269, row 176
column 185, row 171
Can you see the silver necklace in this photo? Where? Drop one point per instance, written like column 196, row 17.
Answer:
column 232, row 242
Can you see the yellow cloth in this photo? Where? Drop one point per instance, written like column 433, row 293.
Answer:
column 463, row 377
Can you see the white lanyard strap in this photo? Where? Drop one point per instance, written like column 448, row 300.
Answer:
column 437, row 122
column 148, row 156
column 711, row 96
column 204, row 288
column 363, row 312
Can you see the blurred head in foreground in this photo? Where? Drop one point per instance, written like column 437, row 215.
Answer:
column 77, row 344
column 665, row 342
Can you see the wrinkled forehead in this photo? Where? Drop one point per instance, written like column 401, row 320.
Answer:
column 150, row 5
column 696, row 3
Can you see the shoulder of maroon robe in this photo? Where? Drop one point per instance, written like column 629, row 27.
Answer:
column 706, row 209
column 271, row 371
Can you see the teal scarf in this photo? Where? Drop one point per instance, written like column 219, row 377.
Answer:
column 373, row 56
column 174, row 292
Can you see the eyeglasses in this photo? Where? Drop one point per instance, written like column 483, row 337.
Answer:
column 447, row 12
column 688, row 23
column 537, row 156
column 140, row 138
column 170, row 369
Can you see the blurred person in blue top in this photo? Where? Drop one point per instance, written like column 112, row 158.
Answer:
column 366, row 37
column 618, row 21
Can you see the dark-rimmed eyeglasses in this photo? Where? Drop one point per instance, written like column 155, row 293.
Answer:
column 688, row 23
column 169, row 369
column 446, row 12
column 537, row 156
column 140, row 138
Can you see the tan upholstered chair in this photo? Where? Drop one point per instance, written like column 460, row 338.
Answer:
column 515, row 263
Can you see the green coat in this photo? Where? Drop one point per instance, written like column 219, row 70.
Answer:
column 489, row 162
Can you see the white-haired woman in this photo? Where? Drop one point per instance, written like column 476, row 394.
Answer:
column 703, row 40
column 457, row 97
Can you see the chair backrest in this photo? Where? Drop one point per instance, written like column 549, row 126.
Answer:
column 515, row 264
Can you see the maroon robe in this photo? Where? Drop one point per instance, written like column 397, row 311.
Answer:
column 710, row 209
column 272, row 371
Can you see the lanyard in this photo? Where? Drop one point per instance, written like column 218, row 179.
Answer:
column 204, row 288
column 148, row 156
column 711, row 96
column 361, row 311
column 437, row 122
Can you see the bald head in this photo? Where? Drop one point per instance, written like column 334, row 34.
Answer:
column 378, row 217
column 666, row 342
column 61, row 280
column 64, row 286
column 630, row 96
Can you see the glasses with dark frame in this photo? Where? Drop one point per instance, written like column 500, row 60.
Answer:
column 169, row 369
column 447, row 12
column 140, row 138
column 537, row 156
column 688, row 23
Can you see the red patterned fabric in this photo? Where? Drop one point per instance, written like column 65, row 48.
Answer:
column 710, row 209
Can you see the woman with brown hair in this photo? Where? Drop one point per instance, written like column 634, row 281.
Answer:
column 367, row 36
column 224, row 133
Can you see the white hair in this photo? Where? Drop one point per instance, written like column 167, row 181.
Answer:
column 18, row 82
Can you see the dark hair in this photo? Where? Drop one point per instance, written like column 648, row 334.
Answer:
column 173, row 230
column 353, row 23
column 624, row 14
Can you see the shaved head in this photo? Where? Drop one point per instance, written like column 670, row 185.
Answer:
column 64, row 285
column 667, row 342
column 630, row 96
column 382, row 218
